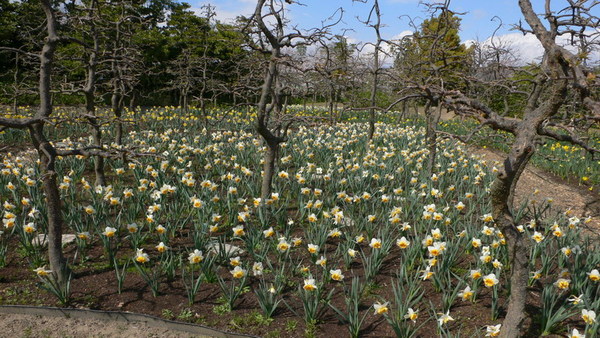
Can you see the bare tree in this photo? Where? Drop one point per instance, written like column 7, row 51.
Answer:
column 206, row 62
column 90, row 94
column 47, row 153
column 86, row 20
column 432, row 58
column 330, row 71
column 268, row 25
column 123, row 58
column 561, row 72
column 22, row 76
column 193, row 69
column 184, row 69
column 374, row 21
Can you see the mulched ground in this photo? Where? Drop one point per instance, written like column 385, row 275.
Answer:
column 94, row 286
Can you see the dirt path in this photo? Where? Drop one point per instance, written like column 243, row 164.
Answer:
column 17, row 325
column 538, row 185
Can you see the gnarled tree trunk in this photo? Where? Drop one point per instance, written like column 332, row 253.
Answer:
column 501, row 194
column 432, row 117
column 47, row 155
column 374, row 85
column 90, row 106
column 270, row 157
column 117, row 108
column 502, row 191
column 46, row 151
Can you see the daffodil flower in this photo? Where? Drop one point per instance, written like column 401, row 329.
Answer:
column 336, row 275
column 403, row 243
column 412, row 315
column 375, row 243
column 466, row 294
column 588, row 316
column 41, row 271
column 283, row 245
column 490, row 280
column 575, row 299
column 195, row 257
column 141, row 257
column 161, row 247
column 444, row 318
column 109, row 231
column 238, row 231
column 575, row 334
column 381, row 308
column 562, row 283
column 309, row 284
column 257, row 268
column 238, row 272
column 594, row 275
column 492, row 330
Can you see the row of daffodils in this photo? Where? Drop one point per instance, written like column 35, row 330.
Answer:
column 347, row 218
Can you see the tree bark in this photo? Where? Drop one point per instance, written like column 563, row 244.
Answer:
column 185, row 106
column 262, row 127
column 501, row 191
column 116, row 103
column 433, row 118
column 404, row 110
column 46, row 151
column 330, row 100
column 117, row 90
column 90, row 104
column 270, row 157
column 16, row 85
column 96, row 138
column 375, row 83
column 53, row 204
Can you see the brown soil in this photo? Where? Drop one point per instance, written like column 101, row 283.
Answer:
column 94, row 287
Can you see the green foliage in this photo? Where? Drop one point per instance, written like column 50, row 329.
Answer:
column 352, row 314
column 168, row 314
column 500, row 98
column 185, row 315
column 554, row 310
column 61, row 290
column 155, row 34
column 250, row 321
column 435, row 53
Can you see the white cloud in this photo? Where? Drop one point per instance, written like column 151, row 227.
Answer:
column 401, row 35
column 366, row 50
column 527, row 48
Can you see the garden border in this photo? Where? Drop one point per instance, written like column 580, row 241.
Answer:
column 117, row 316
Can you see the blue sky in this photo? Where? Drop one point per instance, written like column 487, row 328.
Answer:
column 476, row 24
column 476, row 21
